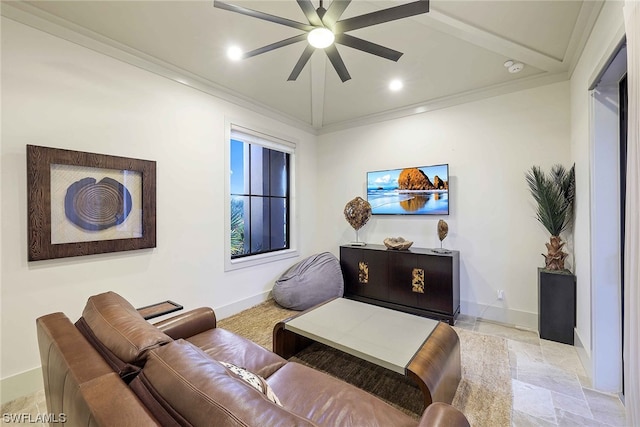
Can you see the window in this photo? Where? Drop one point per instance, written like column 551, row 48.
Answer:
column 259, row 194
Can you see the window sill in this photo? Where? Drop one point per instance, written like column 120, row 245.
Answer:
column 250, row 261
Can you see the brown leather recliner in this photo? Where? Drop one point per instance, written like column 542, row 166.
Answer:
column 113, row 368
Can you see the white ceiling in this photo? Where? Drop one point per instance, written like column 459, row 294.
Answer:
column 452, row 54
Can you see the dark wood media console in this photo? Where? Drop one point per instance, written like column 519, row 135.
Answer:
column 418, row 281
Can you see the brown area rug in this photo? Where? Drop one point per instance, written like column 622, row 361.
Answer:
column 484, row 393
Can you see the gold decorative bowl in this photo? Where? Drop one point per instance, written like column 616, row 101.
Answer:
column 397, row 243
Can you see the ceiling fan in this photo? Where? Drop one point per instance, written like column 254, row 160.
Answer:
column 325, row 29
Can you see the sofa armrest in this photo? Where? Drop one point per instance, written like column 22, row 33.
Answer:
column 188, row 324
column 79, row 383
column 440, row 414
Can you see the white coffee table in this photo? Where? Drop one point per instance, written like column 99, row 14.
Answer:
column 423, row 349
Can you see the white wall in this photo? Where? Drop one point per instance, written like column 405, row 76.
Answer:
column 55, row 93
column 58, row 94
column 489, row 145
column 592, row 330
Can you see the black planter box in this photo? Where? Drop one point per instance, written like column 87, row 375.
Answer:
column 556, row 305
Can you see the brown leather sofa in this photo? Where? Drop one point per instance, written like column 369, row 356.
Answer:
column 113, row 368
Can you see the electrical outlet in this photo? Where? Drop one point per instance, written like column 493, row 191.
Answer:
column 500, row 294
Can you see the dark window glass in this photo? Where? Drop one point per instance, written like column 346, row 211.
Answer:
column 259, row 199
column 278, row 233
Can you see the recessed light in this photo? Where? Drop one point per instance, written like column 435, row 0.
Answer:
column 395, row 85
column 234, row 53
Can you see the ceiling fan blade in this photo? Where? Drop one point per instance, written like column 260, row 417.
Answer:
column 310, row 12
column 368, row 47
column 261, row 15
column 338, row 63
column 334, row 12
column 382, row 16
column 276, row 45
column 304, row 58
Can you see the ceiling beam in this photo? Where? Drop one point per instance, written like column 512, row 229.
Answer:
column 463, row 31
column 586, row 19
column 318, row 82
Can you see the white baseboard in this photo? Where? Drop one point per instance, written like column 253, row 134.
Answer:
column 500, row 314
column 238, row 306
column 21, row 385
column 583, row 354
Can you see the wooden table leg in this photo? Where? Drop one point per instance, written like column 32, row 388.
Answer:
column 287, row 343
column 436, row 365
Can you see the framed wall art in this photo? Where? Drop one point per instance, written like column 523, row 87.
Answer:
column 85, row 203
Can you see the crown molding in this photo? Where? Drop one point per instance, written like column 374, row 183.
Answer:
column 449, row 101
column 41, row 20
column 46, row 22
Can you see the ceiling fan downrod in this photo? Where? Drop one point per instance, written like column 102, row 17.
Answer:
column 321, row 11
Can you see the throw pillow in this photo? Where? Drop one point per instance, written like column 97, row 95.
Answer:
column 254, row 380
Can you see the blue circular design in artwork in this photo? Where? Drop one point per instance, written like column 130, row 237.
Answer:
column 95, row 206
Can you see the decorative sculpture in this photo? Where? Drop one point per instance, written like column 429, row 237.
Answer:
column 397, row 243
column 357, row 212
column 443, row 231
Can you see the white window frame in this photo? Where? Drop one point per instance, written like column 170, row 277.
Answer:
column 273, row 140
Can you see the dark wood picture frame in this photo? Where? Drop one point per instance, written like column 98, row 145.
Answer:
column 39, row 161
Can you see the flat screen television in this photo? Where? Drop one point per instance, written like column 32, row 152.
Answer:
column 422, row 190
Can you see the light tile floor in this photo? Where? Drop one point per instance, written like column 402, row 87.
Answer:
column 25, row 408
column 550, row 387
column 549, row 384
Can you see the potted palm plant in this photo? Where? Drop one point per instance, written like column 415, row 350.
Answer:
column 554, row 195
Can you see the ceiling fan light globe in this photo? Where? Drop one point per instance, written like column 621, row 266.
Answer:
column 321, row 37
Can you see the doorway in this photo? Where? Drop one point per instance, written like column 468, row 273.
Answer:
column 624, row 128
column 607, row 186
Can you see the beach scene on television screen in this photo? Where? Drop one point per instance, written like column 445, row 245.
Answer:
column 409, row 191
